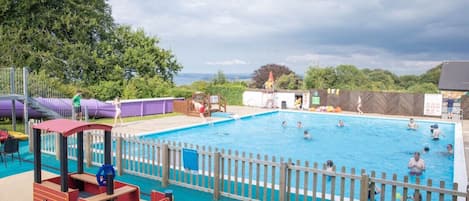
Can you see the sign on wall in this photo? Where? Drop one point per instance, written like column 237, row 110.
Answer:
column 433, row 104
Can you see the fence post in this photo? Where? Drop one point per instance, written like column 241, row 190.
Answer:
column 216, row 176
column 88, row 149
column 165, row 153
column 283, row 179
column 86, row 114
column 119, row 155
column 57, row 146
column 364, row 187
column 30, row 134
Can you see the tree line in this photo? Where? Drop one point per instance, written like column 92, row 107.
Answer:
column 348, row 77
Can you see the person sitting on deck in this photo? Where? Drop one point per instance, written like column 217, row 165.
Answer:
column 298, row 103
column 416, row 165
column 200, row 107
column 412, row 125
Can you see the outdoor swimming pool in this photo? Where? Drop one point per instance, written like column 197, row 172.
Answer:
column 383, row 145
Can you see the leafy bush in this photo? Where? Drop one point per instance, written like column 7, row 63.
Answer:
column 232, row 92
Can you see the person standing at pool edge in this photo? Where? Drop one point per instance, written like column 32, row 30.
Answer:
column 76, row 100
column 450, row 108
column 359, row 105
column 117, row 104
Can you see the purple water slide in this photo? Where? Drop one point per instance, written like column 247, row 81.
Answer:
column 96, row 108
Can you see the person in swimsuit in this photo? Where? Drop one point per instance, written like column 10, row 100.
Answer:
column 117, row 105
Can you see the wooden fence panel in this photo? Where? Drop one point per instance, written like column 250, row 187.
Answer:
column 405, row 104
column 393, row 99
column 392, row 103
column 250, row 177
column 419, row 100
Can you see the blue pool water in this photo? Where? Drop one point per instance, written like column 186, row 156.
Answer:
column 383, row 145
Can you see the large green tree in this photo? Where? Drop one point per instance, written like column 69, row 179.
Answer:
column 261, row 75
column 56, row 36
column 319, row 78
column 78, row 42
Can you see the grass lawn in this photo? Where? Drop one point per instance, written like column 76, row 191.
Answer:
column 131, row 119
column 6, row 124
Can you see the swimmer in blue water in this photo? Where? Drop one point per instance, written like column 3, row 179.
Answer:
column 306, row 135
column 436, row 132
column 299, row 125
column 284, row 124
column 412, row 125
column 340, row 124
column 416, row 165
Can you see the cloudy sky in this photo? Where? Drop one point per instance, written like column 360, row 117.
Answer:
column 239, row 36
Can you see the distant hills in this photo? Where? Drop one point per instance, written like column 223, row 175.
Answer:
column 188, row 78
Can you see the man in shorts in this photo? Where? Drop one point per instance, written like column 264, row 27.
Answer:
column 76, row 100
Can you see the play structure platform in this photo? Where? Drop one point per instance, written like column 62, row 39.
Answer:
column 212, row 103
column 79, row 186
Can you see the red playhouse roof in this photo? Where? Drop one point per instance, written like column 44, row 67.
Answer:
column 69, row 127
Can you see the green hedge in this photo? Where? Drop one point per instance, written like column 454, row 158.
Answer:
column 233, row 93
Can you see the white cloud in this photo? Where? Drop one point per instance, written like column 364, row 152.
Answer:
column 363, row 58
column 227, row 63
column 402, row 36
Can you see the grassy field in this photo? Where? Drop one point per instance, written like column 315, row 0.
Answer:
column 6, row 123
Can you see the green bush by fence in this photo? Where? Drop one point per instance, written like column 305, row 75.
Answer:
column 233, row 93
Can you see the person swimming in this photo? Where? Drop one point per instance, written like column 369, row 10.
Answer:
column 284, row 124
column 450, row 149
column 340, row 124
column 426, row 149
column 412, row 125
column 329, row 165
column 299, row 124
column 436, row 132
column 306, row 135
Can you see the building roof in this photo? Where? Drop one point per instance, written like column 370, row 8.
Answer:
column 69, row 127
column 454, row 76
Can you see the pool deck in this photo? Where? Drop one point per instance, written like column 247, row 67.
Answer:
column 156, row 125
column 11, row 183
